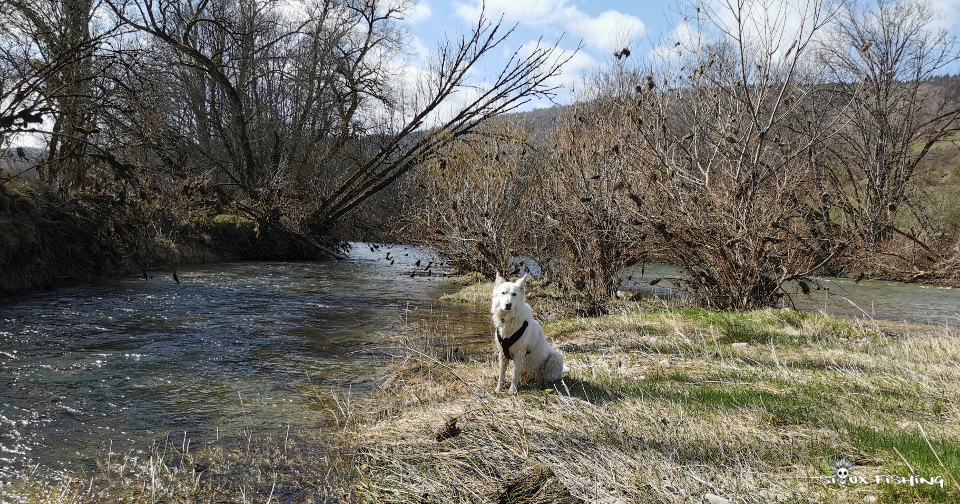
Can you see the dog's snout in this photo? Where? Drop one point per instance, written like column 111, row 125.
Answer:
column 508, row 306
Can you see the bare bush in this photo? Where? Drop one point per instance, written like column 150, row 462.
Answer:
column 471, row 202
column 585, row 240
column 767, row 145
column 722, row 137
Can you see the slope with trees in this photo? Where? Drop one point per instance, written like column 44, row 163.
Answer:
column 286, row 116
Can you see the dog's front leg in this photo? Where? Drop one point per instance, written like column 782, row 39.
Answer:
column 517, row 367
column 503, row 372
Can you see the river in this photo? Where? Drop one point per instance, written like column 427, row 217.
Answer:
column 230, row 347
column 865, row 300
column 237, row 346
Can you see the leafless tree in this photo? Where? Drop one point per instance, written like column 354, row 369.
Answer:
column 525, row 75
column 48, row 54
column 725, row 133
column 300, row 112
column 881, row 56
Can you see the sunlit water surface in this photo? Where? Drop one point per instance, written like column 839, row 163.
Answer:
column 231, row 347
column 239, row 346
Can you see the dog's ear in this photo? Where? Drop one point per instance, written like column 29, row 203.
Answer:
column 499, row 280
column 522, row 280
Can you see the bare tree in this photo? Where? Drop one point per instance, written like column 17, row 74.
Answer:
column 291, row 110
column 725, row 133
column 523, row 77
column 47, row 53
column 881, row 56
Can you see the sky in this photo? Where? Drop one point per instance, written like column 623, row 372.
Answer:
column 602, row 26
column 599, row 27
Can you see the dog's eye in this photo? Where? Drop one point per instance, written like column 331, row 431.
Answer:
column 514, row 294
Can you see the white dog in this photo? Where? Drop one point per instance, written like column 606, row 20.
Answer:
column 518, row 337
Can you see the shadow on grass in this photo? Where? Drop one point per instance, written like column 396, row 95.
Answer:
column 800, row 407
column 590, row 392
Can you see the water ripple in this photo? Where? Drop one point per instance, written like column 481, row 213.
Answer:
column 233, row 345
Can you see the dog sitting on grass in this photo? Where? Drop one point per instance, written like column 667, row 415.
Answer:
column 518, row 337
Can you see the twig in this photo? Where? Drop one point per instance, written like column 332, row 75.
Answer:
column 904, row 459
column 473, row 392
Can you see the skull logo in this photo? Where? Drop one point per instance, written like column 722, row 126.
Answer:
column 842, row 469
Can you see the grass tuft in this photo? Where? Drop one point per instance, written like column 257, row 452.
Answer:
column 252, row 468
column 667, row 405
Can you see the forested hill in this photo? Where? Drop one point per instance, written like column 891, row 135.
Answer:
column 539, row 122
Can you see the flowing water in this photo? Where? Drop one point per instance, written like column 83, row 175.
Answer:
column 867, row 299
column 231, row 347
column 255, row 345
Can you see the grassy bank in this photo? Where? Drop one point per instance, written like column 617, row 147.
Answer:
column 670, row 406
column 661, row 405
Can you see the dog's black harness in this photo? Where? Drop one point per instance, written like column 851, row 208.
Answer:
column 505, row 344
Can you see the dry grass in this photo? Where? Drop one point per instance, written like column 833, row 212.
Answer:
column 257, row 468
column 660, row 406
column 667, row 406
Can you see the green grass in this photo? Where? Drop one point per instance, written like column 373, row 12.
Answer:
column 919, row 459
column 661, row 406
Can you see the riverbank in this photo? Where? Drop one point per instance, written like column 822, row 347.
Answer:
column 673, row 405
column 49, row 239
column 662, row 404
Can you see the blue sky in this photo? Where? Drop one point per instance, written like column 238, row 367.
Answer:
column 603, row 26
column 598, row 25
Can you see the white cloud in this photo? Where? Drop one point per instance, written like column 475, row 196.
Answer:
column 766, row 28
column 683, row 38
column 420, row 11
column 607, row 31
column 611, row 30
column 574, row 68
column 417, row 49
column 771, row 24
column 950, row 14
column 572, row 74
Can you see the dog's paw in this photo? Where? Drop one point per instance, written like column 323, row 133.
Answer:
column 513, row 390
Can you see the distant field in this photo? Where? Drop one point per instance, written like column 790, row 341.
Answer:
column 937, row 191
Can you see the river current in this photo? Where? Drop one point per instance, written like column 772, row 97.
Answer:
column 230, row 347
